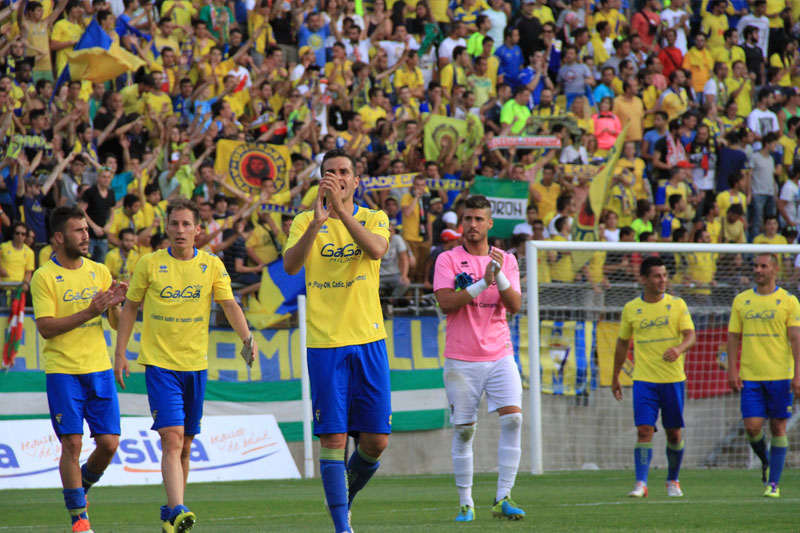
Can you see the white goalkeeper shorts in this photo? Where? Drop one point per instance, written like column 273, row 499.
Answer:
column 466, row 381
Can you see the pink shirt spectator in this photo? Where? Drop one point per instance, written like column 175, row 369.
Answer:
column 602, row 121
column 479, row 330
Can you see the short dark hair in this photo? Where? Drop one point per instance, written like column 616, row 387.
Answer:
column 336, row 152
column 736, row 209
column 624, row 231
column 150, row 188
column 674, row 200
column 177, row 204
column 125, row 231
column 129, row 200
column 478, row 201
column 59, row 217
column 648, row 264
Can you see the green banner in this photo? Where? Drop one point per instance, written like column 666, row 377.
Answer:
column 509, row 203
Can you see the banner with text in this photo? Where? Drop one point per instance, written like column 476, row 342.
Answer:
column 536, row 141
column 509, row 201
column 229, row 448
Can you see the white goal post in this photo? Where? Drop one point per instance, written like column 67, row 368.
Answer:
column 583, row 427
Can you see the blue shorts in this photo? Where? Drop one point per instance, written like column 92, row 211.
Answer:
column 766, row 399
column 649, row 397
column 350, row 389
column 176, row 397
column 73, row 397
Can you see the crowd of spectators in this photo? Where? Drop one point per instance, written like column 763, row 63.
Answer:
column 707, row 90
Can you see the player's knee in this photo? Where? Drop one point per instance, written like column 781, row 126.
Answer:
column 465, row 432
column 171, row 441
column 71, row 445
column 752, row 427
column 644, row 433
column 107, row 446
column 511, row 422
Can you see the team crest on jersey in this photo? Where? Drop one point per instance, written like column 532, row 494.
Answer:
column 747, row 302
column 58, row 418
column 316, row 416
column 203, row 267
column 59, row 278
column 669, row 306
column 92, row 274
column 777, row 302
column 638, row 311
column 162, row 269
column 155, row 413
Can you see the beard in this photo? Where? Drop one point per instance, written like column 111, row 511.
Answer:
column 73, row 251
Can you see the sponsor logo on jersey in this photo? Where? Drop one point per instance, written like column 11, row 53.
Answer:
column 190, row 292
column 766, row 314
column 346, row 252
column 85, row 294
column 59, row 278
column 162, row 269
column 657, row 323
column 324, row 229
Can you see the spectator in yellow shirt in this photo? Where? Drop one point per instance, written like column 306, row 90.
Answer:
column 715, row 24
column 410, row 75
column 373, row 111
column 699, row 61
column 122, row 260
column 17, row 259
column 66, row 33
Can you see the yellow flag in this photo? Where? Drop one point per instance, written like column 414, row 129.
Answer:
column 98, row 65
column 246, row 165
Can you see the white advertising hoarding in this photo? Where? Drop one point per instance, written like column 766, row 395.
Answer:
column 229, row 448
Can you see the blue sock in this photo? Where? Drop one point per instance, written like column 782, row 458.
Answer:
column 88, row 478
column 359, row 471
column 759, row 445
column 777, row 456
column 165, row 512
column 178, row 509
column 75, row 500
column 642, row 454
column 334, row 481
column 674, row 459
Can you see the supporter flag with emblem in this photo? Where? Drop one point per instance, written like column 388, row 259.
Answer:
column 277, row 297
column 96, row 58
column 509, row 201
column 246, row 165
column 439, row 128
column 566, row 356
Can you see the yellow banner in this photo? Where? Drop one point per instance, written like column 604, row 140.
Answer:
column 246, row 165
column 606, row 345
column 401, row 181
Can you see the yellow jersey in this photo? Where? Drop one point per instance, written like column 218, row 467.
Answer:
column 45, row 254
column 150, row 212
column 177, row 303
column 655, row 328
column 121, row 268
column 561, row 268
column 64, row 31
column 763, row 321
column 701, row 267
column 726, row 199
column 341, row 282
column 59, row 292
column 15, row 262
column 775, row 239
column 264, row 244
column 120, row 220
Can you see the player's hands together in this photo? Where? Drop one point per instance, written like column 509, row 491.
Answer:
column 616, row 389
column 333, row 192
column 320, row 211
column 121, row 365
column 118, row 292
column 671, row 355
column 494, row 266
column 100, row 302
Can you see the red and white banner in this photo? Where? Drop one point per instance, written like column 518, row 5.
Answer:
column 537, row 141
column 229, row 448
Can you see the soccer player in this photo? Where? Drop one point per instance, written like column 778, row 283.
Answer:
column 341, row 245
column 70, row 293
column 177, row 285
column 662, row 331
column 475, row 284
column 765, row 322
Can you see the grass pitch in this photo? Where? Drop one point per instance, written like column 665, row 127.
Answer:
column 715, row 500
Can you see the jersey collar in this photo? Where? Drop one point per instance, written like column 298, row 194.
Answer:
column 169, row 251
column 55, row 260
column 755, row 290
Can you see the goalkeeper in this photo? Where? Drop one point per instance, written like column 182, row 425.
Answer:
column 662, row 332
column 765, row 322
column 478, row 353
column 177, row 286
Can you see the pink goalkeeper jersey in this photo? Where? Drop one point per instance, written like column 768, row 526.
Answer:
column 479, row 330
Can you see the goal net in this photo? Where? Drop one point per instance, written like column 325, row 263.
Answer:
column 575, row 420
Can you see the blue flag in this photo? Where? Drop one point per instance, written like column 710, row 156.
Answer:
column 277, row 297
